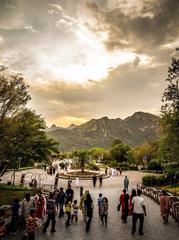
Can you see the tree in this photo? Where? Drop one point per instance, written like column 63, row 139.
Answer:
column 147, row 151
column 169, row 143
column 82, row 158
column 22, row 135
column 13, row 93
column 120, row 152
column 26, row 139
column 98, row 153
column 116, row 142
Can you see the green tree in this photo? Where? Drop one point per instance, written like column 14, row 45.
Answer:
column 22, row 135
column 147, row 151
column 169, row 143
column 120, row 152
column 13, row 93
column 116, row 142
column 82, row 158
column 27, row 139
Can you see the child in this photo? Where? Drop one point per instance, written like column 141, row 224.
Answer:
column 2, row 229
column 31, row 225
column 99, row 201
column 68, row 211
column 104, row 210
column 75, row 208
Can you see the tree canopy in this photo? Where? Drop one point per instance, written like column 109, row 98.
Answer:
column 169, row 144
column 13, row 93
column 82, row 157
column 22, row 136
column 119, row 152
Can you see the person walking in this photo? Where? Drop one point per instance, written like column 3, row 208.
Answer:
column 56, row 181
column 124, row 202
column 104, row 210
column 82, row 206
column 68, row 208
column 81, row 192
column 69, row 181
column 88, row 204
column 40, row 205
column 61, row 201
column 51, row 211
column 70, row 193
column 126, row 183
column 94, row 179
column 99, row 202
column 15, row 216
column 77, row 182
column 133, row 194
column 31, row 225
column 138, row 212
column 164, row 206
column 75, row 208
column 100, row 180
column 28, row 203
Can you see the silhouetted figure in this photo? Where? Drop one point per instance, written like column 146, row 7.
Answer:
column 94, row 178
column 100, row 180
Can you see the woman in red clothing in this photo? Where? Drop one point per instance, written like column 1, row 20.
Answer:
column 133, row 194
column 40, row 205
column 124, row 202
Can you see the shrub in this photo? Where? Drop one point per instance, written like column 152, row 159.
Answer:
column 12, row 187
column 177, row 176
column 92, row 166
column 149, row 180
column 154, row 165
column 131, row 167
column 124, row 165
column 173, row 166
column 157, row 180
column 162, row 180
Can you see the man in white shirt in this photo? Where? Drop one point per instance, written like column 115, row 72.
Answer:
column 138, row 212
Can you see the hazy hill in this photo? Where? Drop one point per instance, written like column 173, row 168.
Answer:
column 133, row 130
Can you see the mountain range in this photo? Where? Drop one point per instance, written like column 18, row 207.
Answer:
column 134, row 130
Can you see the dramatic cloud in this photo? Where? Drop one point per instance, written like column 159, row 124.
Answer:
column 87, row 59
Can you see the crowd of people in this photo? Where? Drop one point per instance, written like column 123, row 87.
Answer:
column 39, row 210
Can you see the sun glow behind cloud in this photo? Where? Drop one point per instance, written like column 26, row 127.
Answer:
column 82, row 58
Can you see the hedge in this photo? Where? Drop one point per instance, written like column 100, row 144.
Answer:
column 159, row 180
column 154, row 165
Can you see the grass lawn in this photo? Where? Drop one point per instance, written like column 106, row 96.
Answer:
column 174, row 188
column 9, row 192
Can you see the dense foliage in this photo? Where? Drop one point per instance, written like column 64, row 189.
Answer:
column 169, row 145
column 23, row 140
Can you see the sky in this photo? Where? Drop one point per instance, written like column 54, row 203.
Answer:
column 87, row 59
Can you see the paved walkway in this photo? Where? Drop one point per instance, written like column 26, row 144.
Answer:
column 112, row 187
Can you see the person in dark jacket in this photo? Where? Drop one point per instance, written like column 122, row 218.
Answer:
column 61, row 201
column 88, row 204
column 94, row 178
column 51, row 210
column 15, row 216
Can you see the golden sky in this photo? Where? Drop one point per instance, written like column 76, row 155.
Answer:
column 89, row 59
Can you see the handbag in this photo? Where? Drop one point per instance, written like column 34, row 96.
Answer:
column 118, row 207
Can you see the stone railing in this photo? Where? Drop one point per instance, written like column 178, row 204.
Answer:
column 155, row 193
